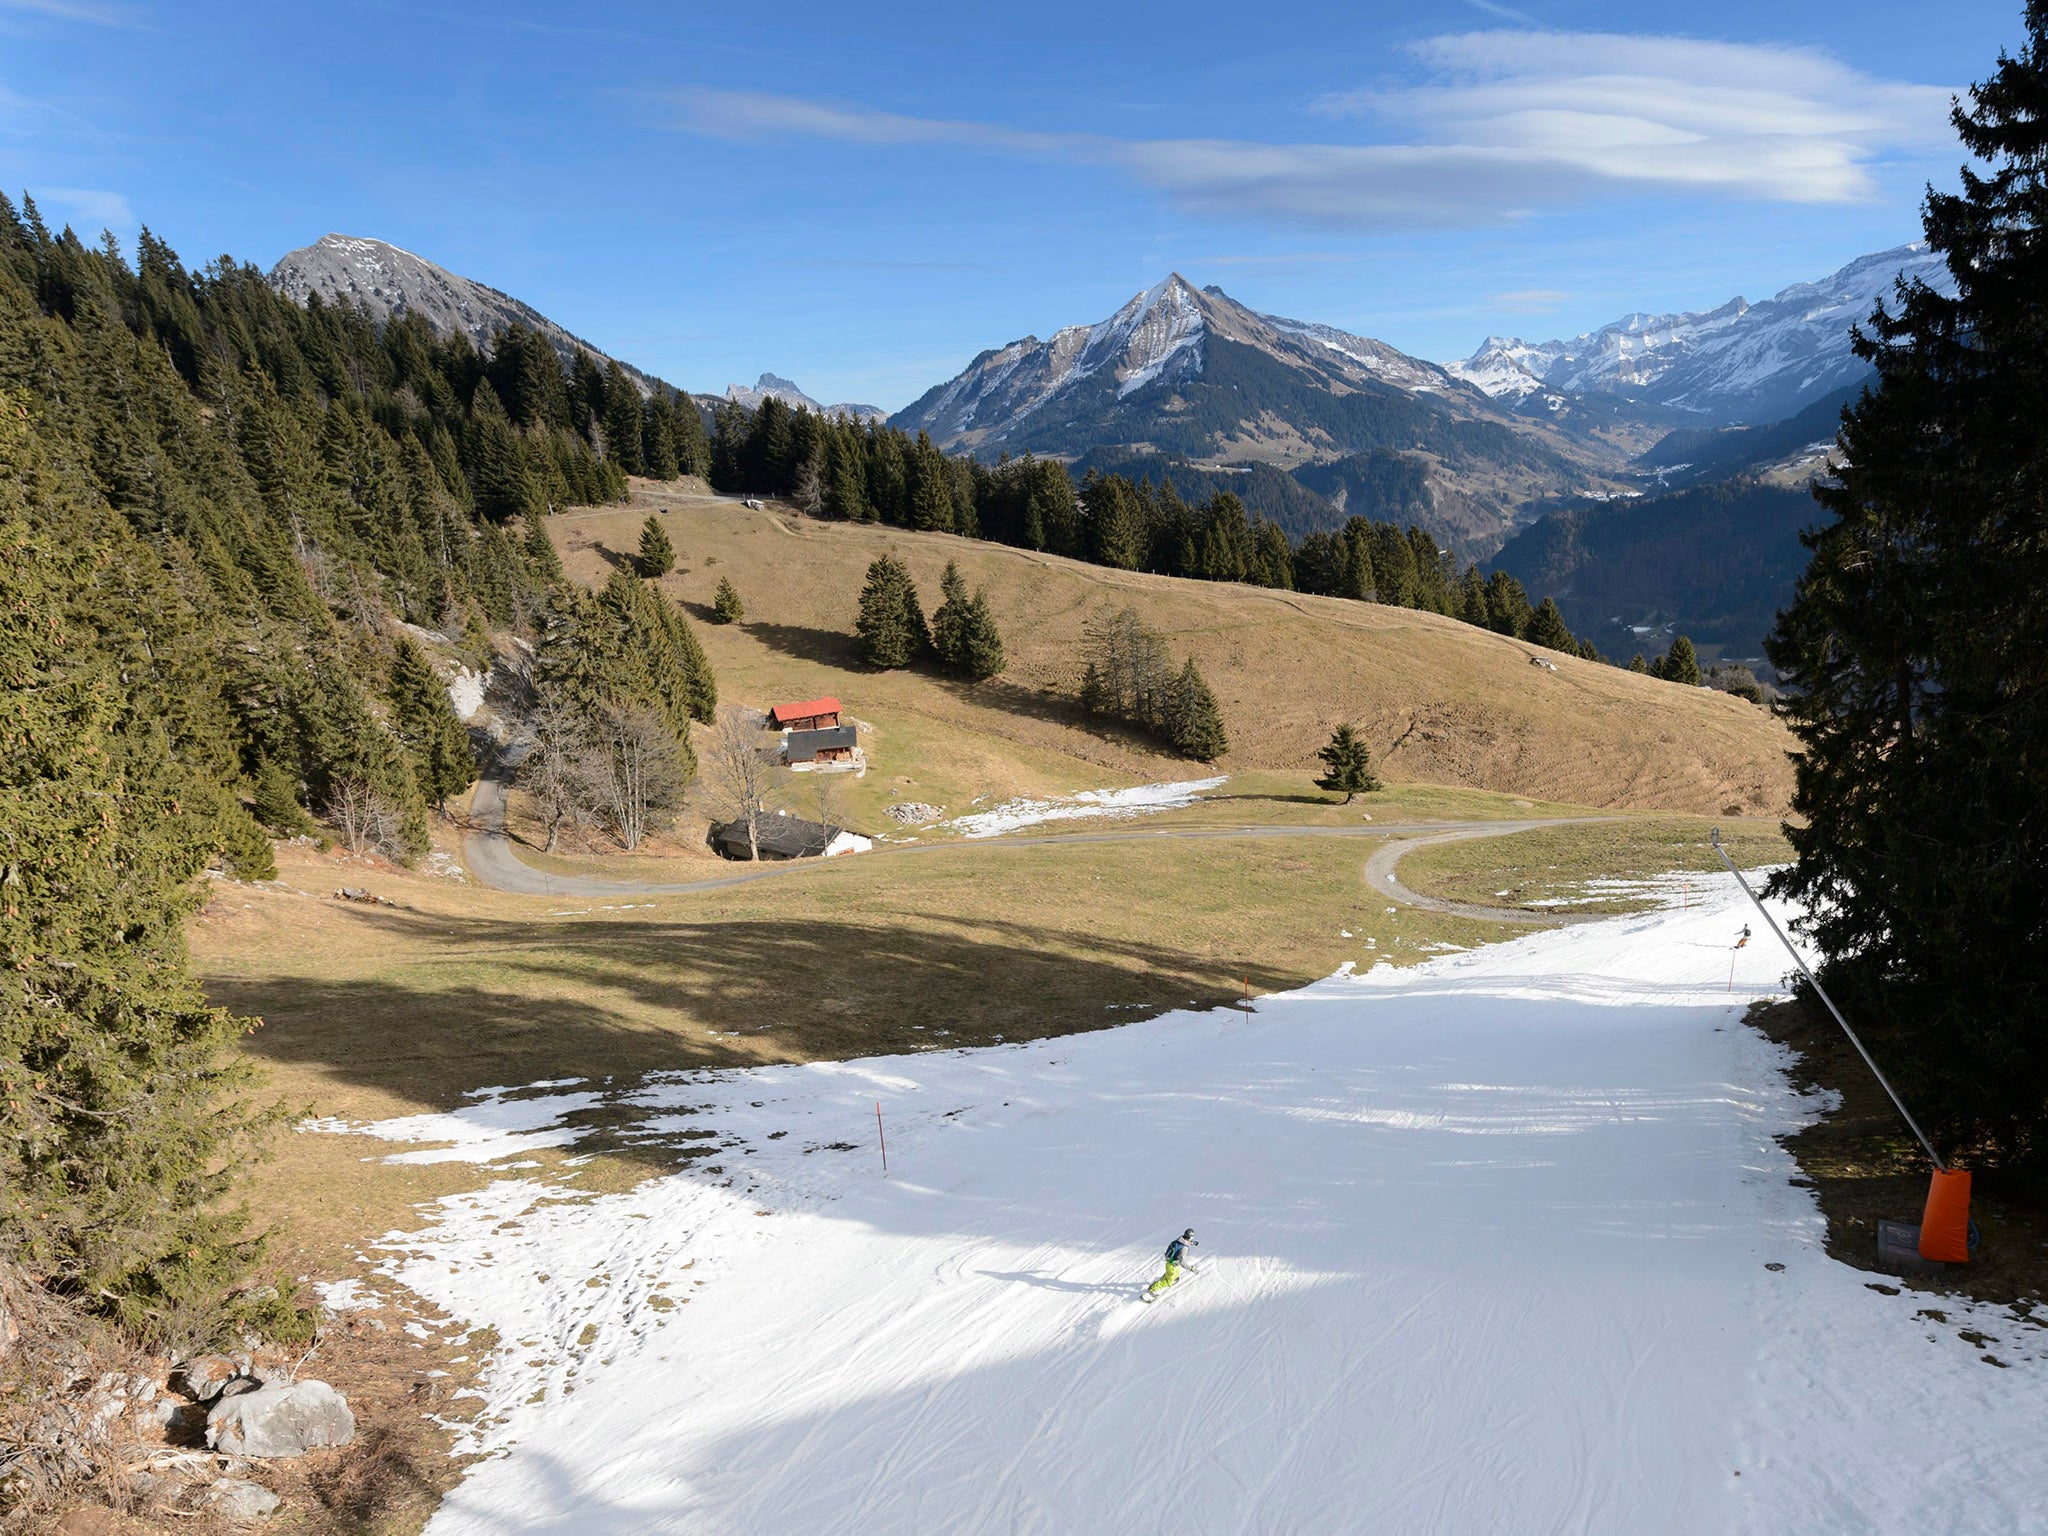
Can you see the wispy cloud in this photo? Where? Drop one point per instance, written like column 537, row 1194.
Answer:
column 1504, row 12
column 1504, row 122
column 1279, row 259
column 89, row 207
column 1529, row 301
column 76, row 10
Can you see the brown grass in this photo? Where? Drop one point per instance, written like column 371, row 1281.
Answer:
column 1438, row 701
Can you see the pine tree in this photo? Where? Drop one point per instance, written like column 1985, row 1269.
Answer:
column 1916, row 651
column 948, row 617
column 1349, row 764
column 964, row 633
column 122, row 1114
column 1680, row 664
column 1547, row 628
column 1194, row 725
column 1637, row 664
column 891, row 624
column 657, row 556
column 726, row 607
column 981, row 644
column 429, row 727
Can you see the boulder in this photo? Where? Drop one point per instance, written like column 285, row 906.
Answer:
column 202, row 1377
column 282, row 1419
column 232, row 1499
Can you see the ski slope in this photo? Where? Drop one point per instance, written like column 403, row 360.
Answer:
column 1485, row 1247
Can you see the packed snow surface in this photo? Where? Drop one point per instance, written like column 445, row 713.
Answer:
column 1488, row 1244
column 1014, row 815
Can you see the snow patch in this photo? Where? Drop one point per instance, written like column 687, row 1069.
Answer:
column 1012, row 815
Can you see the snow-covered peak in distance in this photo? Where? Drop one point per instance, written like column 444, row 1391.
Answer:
column 1160, row 336
column 785, row 390
column 1739, row 362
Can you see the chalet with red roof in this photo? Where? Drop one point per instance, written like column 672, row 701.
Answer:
column 813, row 736
column 809, row 715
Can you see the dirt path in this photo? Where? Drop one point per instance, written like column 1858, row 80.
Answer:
column 495, row 862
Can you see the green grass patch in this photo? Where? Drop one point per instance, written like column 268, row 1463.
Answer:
column 1530, row 871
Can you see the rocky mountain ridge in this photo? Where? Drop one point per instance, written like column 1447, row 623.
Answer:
column 387, row 281
column 785, row 390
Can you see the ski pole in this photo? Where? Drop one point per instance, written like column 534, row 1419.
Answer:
column 884, row 1140
column 1821, row 992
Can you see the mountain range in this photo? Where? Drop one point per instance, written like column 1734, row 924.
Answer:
column 1736, row 364
column 775, row 386
column 1199, row 380
column 1576, row 455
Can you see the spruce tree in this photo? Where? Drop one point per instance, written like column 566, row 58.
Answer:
column 891, row 624
column 1349, row 764
column 1547, row 628
column 1680, row 664
column 948, row 617
column 429, row 727
column 1193, row 723
column 1916, row 651
column 123, row 1114
column 726, row 607
column 981, row 644
column 1637, row 664
column 657, row 557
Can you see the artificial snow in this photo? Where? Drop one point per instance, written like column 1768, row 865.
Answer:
column 1013, row 815
column 1486, row 1245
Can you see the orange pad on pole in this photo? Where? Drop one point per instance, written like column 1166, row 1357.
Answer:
column 1945, row 1225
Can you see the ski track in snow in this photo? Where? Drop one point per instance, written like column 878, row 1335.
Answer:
column 1484, row 1246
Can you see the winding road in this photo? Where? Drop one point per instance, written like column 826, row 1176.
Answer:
column 494, row 861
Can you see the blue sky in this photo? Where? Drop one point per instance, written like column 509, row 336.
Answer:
column 861, row 197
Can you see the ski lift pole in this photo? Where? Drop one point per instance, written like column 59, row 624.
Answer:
column 1820, row 991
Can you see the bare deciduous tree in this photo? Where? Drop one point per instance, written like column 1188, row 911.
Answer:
column 556, row 770
column 633, row 773
column 738, row 770
column 364, row 818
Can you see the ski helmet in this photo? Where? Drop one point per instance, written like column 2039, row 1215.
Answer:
column 1187, row 1234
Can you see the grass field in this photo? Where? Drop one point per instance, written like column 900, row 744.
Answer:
column 1595, row 869
column 1437, row 701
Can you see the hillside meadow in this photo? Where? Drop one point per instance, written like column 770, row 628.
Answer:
column 1439, row 702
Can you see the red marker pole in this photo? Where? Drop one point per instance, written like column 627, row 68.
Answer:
column 881, row 1138
column 1247, row 999
column 1731, row 970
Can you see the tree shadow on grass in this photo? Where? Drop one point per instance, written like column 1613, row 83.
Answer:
column 445, row 1005
column 827, row 647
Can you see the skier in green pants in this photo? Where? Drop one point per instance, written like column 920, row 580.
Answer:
column 1176, row 1252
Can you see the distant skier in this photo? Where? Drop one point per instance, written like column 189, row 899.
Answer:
column 1744, row 939
column 1176, row 1255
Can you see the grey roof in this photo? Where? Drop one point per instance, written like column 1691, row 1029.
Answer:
column 789, row 837
column 804, row 746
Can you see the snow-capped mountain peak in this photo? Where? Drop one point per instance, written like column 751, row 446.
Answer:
column 1734, row 363
column 1161, row 335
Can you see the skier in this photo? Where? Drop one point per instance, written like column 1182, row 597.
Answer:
column 1744, row 939
column 1176, row 1254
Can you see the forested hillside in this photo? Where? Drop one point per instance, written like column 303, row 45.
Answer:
column 1716, row 562
column 838, row 468
column 228, row 523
